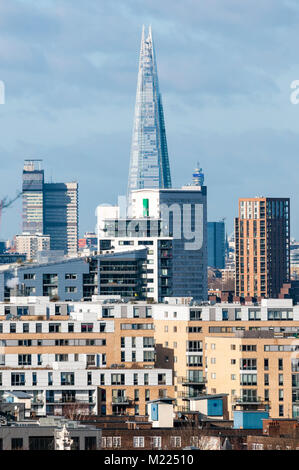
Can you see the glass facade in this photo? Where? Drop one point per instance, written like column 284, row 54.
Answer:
column 216, row 245
column 149, row 165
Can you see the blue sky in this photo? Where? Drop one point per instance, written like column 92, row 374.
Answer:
column 225, row 69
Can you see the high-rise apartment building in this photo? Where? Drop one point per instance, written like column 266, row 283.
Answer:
column 171, row 224
column 50, row 208
column 33, row 200
column 149, row 166
column 31, row 244
column 61, row 216
column 216, row 245
column 262, row 246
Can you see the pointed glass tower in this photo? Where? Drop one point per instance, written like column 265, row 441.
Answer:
column 149, row 164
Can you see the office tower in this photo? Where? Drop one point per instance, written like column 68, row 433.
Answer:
column 61, row 216
column 216, row 245
column 33, row 203
column 149, row 164
column 50, row 208
column 262, row 244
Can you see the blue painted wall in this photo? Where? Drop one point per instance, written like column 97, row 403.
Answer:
column 249, row 419
column 215, row 407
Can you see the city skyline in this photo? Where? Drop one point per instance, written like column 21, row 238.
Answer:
column 212, row 127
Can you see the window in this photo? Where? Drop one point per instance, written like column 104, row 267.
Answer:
column 232, row 346
column 194, row 441
column 70, row 327
column 194, row 361
column 38, row 328
column 61, row 357
column 54, row 327
column 266, row 379
column 280, row 394
column 17, row 379
column 90, row 443
column 138, row 441
column 86, row 327
column 12, row 327
column 71, row 289
column 29, row 276
column 280, row 379
column 70, row 276
column 41, row 443
column 50, row 378
column 148, row 342
column 117, row 379
column 24, row 359
column 161, row 379
column 280, row 364
column 34, row 378
column 280, row 410
column 213, row 375
column 156, row 442
column 89, row 378
column 147, row 394
column 148, row 356
column 136, row 395
column 266, row 364
column 175, row 441
column 67, row 378
column 146, row 379
column 90, row 360
column 116, row 441
column 248, row 379
column 248, row 347
column 248, row 364
column 25, row 327
column 17, row 444
column 233, row 361
column 135, row 379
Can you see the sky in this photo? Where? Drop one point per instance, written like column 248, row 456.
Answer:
column 225, row 71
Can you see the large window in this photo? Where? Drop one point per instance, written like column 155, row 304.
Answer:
column 67, row 378
column 117, row 379
column 41, row 443
column 24, row 359
column 17, row 379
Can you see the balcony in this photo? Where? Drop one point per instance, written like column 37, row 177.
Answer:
column 126, row 401
column 186, row 381
column 250, row 403
column 188, row 395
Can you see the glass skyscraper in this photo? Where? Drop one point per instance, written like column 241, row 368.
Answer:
column 149, row 164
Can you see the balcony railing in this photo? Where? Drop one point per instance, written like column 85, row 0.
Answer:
column 188, row 396
column 121, row 401
column 186, row 381
column 248, row 401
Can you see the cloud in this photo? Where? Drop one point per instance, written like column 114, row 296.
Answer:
column 70, row 70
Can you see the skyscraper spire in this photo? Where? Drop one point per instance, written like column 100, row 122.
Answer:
column 149, row 164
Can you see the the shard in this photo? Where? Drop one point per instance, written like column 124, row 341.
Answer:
column 149, row 164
